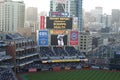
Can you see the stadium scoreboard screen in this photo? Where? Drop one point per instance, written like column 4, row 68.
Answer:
column 55, row 40
column 58, row 23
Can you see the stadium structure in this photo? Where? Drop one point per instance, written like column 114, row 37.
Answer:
column 26, row 55
column 22, row 54
column 57, row 48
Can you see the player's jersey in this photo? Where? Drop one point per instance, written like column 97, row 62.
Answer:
column 60, row 37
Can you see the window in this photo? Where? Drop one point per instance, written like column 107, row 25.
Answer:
column 81, row 48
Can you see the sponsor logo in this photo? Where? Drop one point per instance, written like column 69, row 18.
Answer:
column 74, row 36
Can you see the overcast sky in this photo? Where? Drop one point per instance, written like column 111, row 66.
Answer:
column 43, row 5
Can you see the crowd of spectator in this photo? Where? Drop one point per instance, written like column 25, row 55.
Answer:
column 7, row 74
column 59, row 51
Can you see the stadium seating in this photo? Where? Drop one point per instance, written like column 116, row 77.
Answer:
column 72, row 51
column 46, row 51
column 7, row 74
column 60, row 51
column 26, row 60
column 5, row 60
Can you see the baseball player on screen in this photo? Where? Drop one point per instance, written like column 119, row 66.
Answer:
column 60, row 40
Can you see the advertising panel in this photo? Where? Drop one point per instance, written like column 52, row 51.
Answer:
column 59, row 1
column 55, row 13
column 42, row 38
column 59, row 14
column 68, row 60
column 42, row 22
column 58, row 31
column 58, row 23
column 61, row 60
column 74, row 38
column 59, row 40
column 32, row 70
column 75, row 23
column 64, row 14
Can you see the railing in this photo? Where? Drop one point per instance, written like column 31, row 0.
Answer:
column 5, row 57
column 26, row 55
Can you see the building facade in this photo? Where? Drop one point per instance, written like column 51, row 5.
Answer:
column 115, row 16
column 57, row 5
column 85, row 42
column 5, row 59
column 31, row 14
column 23, row 50
column 32, row 18
column 11, row 15
column 97, row 41
column 74, row 8
column 97, row 13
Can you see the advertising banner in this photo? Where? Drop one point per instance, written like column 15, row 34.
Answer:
column 59, row 14
column 75, row 23
column 59, row 1
column 61, row 60
column 32, row 70
column 58, row 23
column 55, row 13
column 42, row 38
column 42, row 22
column 58, row 31
column 74, row 38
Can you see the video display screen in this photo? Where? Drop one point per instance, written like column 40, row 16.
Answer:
column 59, row 40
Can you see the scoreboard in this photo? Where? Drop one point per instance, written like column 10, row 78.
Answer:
column 58, row 23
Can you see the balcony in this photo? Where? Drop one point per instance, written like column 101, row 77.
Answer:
column 6, row 64
column 3, row 52
column 22, row 64
column 29, row 47
column 20, row 49
column 26, row 55
column 5, row 57
column 3, row 45
column 25, row 47
column 25, row 62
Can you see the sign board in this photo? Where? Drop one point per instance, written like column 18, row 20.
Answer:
column 58, row 23
column 42, row 36
column 74, row 38
column 59, row 1
column 42, row 22
column 58, row 32
column 59, row 14
column 75, row 23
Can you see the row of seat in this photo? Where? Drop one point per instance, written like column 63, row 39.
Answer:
column 40, row 65
column 59, row 51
